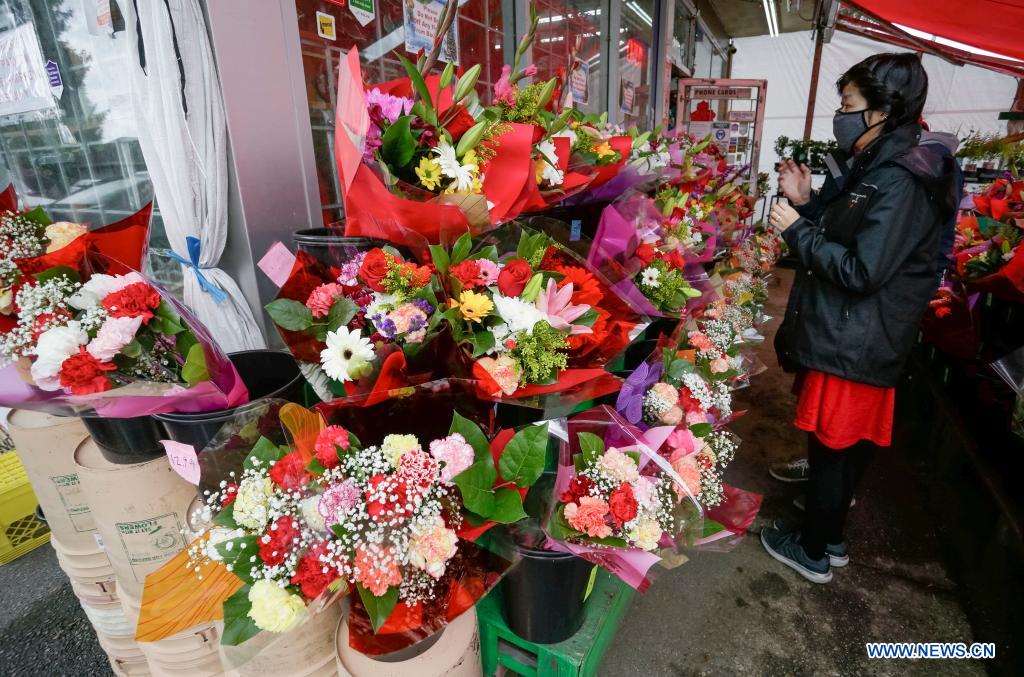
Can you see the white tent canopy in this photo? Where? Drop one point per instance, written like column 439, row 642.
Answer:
column 960, row 99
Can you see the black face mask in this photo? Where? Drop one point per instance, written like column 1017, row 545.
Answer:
column 848, row 127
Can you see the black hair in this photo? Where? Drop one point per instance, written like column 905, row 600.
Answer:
column 891, row 83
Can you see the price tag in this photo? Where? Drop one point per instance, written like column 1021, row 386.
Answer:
column 576, row 227
column 277, row 264
column 183, row 460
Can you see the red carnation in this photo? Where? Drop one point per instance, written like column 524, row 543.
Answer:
column 290, row 472
column 460, row 123
column 83, row 373
column 675, row 260
column 374, row 269
column 579, row 487
column 419, row 276
column 327, row 444
column 310, row 575
column 229, row 495
column 281, row 534
column 46, row 320
column 467, row 272
column 135, row 300
column 386, row 497
column 645, row 252
column 622, row 504
column 514, row 277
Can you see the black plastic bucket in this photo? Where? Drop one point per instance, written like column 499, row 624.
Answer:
column 544, row 591
column 126, row 440
column 329, row 246
column 266, row 373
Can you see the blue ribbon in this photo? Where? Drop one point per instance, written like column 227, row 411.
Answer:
column 218, row 294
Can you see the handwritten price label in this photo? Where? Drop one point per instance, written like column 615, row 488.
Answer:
column 182, row 458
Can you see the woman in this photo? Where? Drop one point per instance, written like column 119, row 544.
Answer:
column 868, row 246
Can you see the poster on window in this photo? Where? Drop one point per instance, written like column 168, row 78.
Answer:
column 24, row 84
column 421, row 18
column 628, row 97
column 580, row 82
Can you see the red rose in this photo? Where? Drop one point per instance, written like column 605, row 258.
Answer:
column 622, row 504
column 135, row 300
column 579, row 487
column 386, row 497
column 229, row 495
column 83, row 373
column 281, row 533
column 290, row 472
column 460, row 123
column 374, row 269
column 675, row 260
column 645, row 252
column 310, row 575
column 514, row 277
column 467, row 272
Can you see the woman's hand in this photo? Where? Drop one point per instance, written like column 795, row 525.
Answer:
column 795, row 182
column 782, row 216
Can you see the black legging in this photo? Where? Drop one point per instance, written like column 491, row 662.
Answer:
column 834, row 474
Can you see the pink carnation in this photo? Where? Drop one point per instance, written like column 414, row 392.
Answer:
column 682, row 442
column 671, row 416
column 589, row 517
column 337, row 500
column 701, row 342
column 113, row 336
column 376, row 569
column 530, row 71
column 719, row 365
column 454, row 452
column 666, row 393
column 689, row 472
column 322, row 298
column 327, row 443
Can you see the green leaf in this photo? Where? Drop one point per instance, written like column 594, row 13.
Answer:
column 378, row 608
column 475, row 484
column 194, row 370
column 490, row 252
column 58, row 271
column 678, row 368
column 559, row 527
column 238, row 627
column 429, row 113
column 341, row 313
column 170, row 324
column 398, row 144
column 132, row 349
column 440, row 257
column 290, row 315
column 316, row 467
column 226, row 518
column 508, row 506
column 264, row 451
column 482, row 342
column 701, row 429
column 522, row 461
column 237, row 553
column 461, row 249
column 38, row 216
column 472, row 434
column 592, row 447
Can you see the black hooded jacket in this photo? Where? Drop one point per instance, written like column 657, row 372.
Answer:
column 868, row 246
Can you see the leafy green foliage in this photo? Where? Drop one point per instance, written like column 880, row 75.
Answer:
column 522, row 460
column 194, row 370
column 290, row 315
column 238, row 627
column 378, row 608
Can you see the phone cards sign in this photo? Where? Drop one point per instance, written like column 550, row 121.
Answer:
column 721, row 92
column 422, row 19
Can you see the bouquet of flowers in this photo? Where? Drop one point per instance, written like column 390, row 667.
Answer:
column 987, row 254
column 376, row 313
column 1004, row 197
column 112, row 342
column 530, row 315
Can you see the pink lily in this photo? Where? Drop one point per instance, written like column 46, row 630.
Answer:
column 556, row 304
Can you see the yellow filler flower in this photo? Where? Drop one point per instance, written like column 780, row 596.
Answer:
column 429, row 173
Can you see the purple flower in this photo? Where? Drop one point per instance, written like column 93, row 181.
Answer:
column 388, row 107
column 631, row 398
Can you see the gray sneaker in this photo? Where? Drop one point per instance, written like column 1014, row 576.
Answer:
column 799, row 504
column 794, row 471
column 838, row 555
column 785, row 547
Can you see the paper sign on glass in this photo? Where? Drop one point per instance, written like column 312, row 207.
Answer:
column 277, row 264
column 422, row 19
column 183, row 460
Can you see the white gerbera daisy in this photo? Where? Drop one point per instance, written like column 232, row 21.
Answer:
column 347, row 352
column 550, row 171
column 518, row 314
column 463, row 174
column 650, row 277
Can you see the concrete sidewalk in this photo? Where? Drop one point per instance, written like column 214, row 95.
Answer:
column 743, row 613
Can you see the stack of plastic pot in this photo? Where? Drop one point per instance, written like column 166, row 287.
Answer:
column 141, row 513
column 46, row 445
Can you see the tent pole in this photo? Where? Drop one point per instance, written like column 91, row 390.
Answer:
column 812, row 95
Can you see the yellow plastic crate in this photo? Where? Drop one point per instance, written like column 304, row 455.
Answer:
column 20, row 530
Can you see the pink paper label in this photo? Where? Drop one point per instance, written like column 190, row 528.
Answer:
column 277, row 263
column 182, row 458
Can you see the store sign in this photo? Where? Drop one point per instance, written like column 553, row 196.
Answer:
column 24, row 83
column 422, row 19
column 721, row 92
column 362, row 10
column 720, row 135
column 742, row 115
column 325, row 26
column 580, row 82
column 53, row 76
column 636, row 52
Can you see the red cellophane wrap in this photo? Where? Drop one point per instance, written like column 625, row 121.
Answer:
column 375, row 211
column 1007, row 282
column 9, row 199
column 484, row 553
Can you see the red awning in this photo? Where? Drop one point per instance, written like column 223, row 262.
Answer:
column 992, row 25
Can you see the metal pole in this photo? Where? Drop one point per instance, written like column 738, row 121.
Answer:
column 812, row 95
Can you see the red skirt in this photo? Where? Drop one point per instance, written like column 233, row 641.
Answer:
column 841, row 412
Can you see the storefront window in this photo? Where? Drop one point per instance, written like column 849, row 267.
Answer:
column 569, row 37
column 682, row 27
column 328, row 29
column 72, row 148
column 636, row 47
